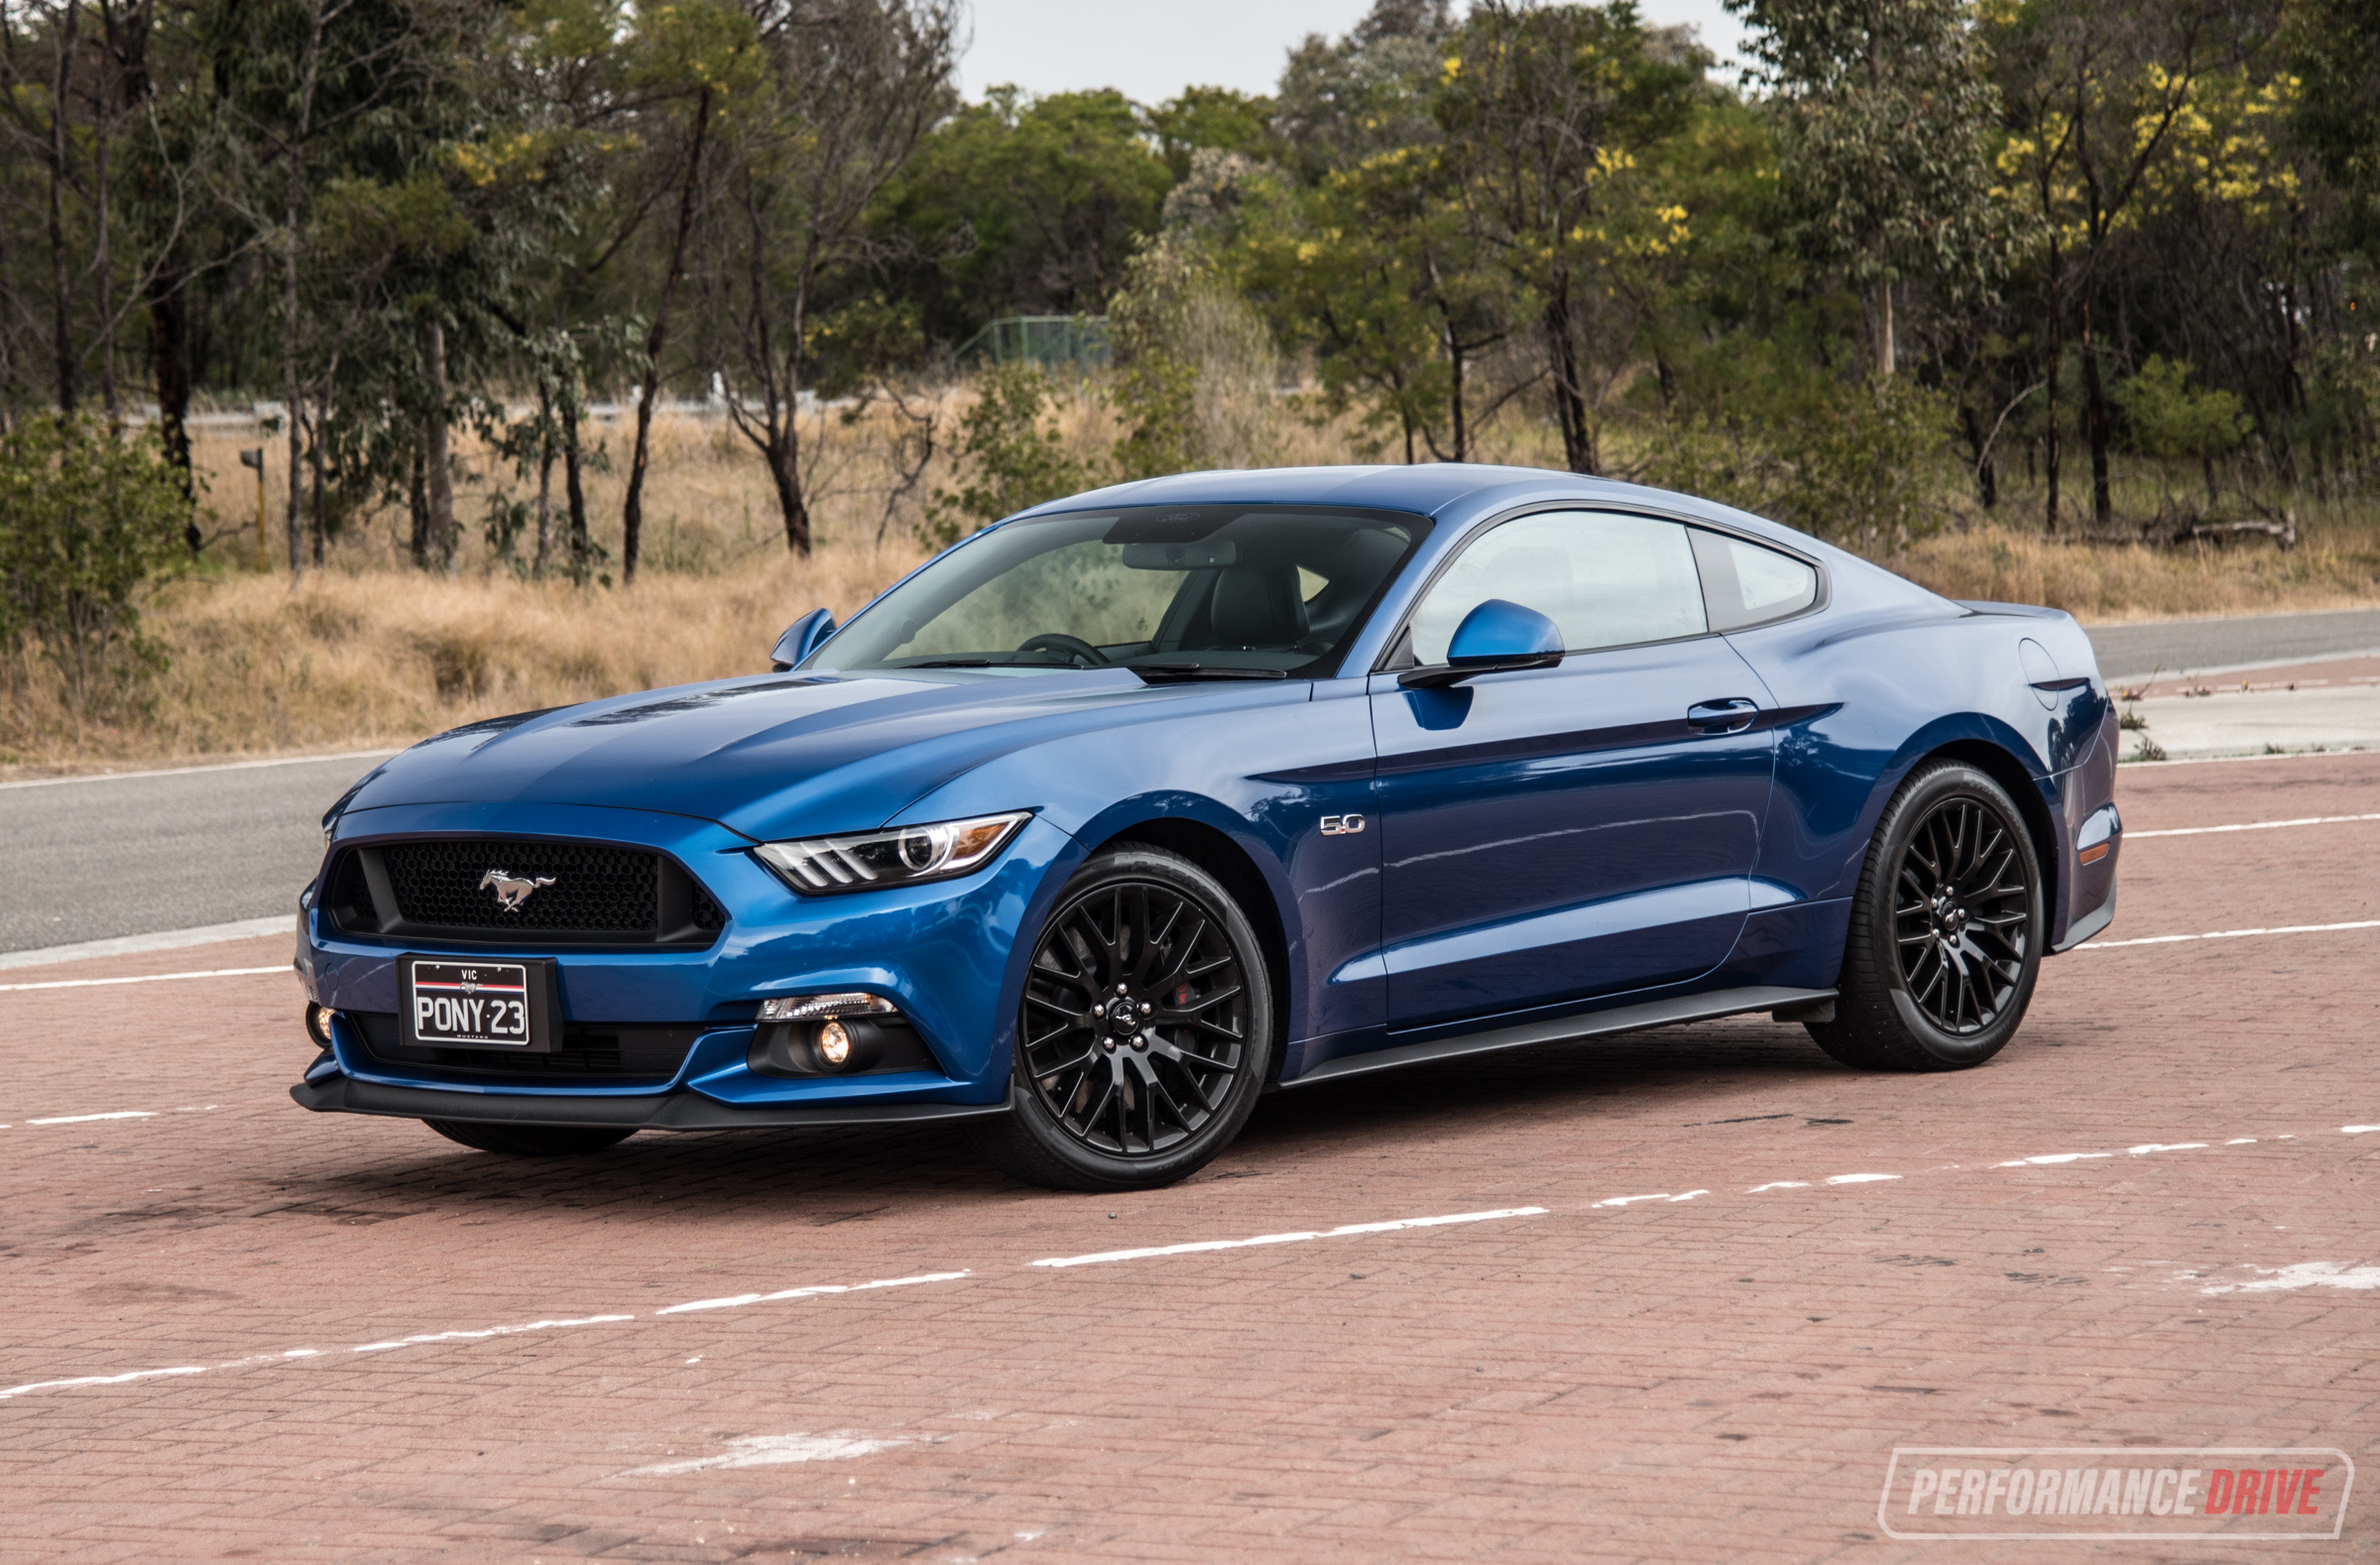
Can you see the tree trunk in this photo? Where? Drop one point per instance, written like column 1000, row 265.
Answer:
column 1987, row 478
column 169, row 368
column 443, row 534
column 315, row 457
column 785, row 470
column 632, row 509
column 62, row 328
column 1570, row 406
column 2049, row 433
column 417, row 500
column 103, row 262
column 293, row 202
column 294, row 414
column 2097, row 427
column 574, row 492
column 1459, row 424
column 1885, row 358
column 545, row 476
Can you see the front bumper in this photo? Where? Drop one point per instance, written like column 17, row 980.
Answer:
column 949, row 955
column 682, row 1110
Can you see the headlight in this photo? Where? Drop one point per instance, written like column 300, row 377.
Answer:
column 897, row 856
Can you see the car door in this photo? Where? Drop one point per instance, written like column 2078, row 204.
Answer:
column 1555, row 834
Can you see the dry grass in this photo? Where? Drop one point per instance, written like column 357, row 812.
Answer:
column 377, row 659
column 371, row 654
column 2331, row 568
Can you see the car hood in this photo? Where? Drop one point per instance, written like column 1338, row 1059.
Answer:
column 771, row 757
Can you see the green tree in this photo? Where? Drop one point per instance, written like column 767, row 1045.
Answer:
column 2097, row 96
column 1885, row 117
column 1024, row 205
column 851, row 87
column 1552, row 111
column 1217, row 119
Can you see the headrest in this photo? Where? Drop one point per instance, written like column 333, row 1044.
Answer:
column 1257, row 605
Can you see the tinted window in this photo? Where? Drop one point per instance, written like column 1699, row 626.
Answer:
column 1606, row 580
column 1222, row 587
column 1748, row 585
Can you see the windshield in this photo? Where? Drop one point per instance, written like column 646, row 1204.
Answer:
column 1263, row 591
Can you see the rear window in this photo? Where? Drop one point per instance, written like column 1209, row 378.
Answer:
column 1748, row 585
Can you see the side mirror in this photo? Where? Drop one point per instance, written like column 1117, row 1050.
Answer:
column 802, row 638
column 1498, row 637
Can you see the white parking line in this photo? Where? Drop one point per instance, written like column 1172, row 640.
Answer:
column 1343, row 1231
column 739, row 1301
column 491, row 1331
column 97, row 1380
column 87, row 1119
column 2230, row 934
column 144, row 978
column 2249, row 825
column 2314, row 1274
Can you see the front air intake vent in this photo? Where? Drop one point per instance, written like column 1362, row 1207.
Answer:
column 522, row 893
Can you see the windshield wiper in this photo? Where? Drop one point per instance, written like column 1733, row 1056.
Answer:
column 1177, row 672
column 952, row 662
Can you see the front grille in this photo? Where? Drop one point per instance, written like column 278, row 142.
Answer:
column 613, row 890
column 583, row 894
column 595, row 1054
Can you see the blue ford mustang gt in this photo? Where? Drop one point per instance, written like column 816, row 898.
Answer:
column 1141, row 803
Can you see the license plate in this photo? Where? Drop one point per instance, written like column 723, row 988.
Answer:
column 477, row 1004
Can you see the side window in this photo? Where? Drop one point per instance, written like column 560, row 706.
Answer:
column 1608, row 580
column 1748, row 585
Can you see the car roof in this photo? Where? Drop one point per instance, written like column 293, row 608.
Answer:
column 1458, row 492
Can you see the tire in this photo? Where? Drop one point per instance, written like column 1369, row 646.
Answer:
column 1946, row 930
column 528, row 1141
column 1130, row 1099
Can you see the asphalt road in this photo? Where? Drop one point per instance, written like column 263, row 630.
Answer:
column 2135, row 651
column 98, row 857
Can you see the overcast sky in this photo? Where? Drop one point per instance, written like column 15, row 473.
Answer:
column 1152, row 48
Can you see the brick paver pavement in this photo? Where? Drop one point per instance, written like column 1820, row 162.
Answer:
column 1715, row 1377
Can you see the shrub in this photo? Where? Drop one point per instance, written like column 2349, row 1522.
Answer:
column 89, row 519
column 1014, row 460
column 1854, row 462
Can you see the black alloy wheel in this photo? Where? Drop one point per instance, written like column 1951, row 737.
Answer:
column 1962, row 915
column 1144, row 1032
column 1946, row 932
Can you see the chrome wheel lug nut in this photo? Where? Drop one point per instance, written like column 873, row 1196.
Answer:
column 1145, row 1008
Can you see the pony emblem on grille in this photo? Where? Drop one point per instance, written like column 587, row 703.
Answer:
column 511, row 890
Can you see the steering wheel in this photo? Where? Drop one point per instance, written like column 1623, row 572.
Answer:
column 1074, row 647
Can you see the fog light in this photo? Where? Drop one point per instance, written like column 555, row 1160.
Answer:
column 834, row 1045
column 317, row 1024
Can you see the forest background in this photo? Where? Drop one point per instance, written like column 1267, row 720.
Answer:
column 368, row 366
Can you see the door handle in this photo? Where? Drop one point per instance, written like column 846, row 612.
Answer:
column 1732, row 715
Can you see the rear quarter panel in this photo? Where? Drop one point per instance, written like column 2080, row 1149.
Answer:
column 1889, row 675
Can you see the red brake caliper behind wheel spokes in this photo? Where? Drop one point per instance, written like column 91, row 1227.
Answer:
column 1135, row 1018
